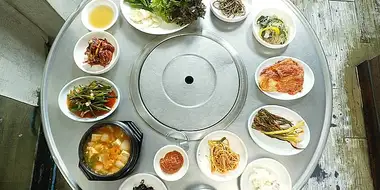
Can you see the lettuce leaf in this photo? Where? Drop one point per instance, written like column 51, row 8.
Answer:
column 139, row 4
column 181, row 12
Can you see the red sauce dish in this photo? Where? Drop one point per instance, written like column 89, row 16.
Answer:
column 171, row 162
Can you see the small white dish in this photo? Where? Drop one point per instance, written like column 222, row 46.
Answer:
column 161, row 154
column 149, row 180
column 282, row 14
column 274, row 145
column 80, row 49
column 203, row 154
column 163, row 28
column 307, row 84
column 90, row 6
column 274, row 166
column 62, row 98
column 218, row 13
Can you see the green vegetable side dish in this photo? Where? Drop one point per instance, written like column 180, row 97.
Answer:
column 139, row 4
column 273, row 30
column 181, row 12
column 89, row 101
column 278, row 127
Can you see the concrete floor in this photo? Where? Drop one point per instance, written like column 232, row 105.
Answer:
column 19, row 129
column 22, row 55
column 25, row 29
column 17, row 144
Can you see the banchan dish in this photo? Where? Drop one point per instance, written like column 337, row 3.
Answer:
column 135, row 140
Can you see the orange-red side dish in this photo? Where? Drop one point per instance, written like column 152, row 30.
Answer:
column 171, row 162
column 108, row 150
column 286, row 76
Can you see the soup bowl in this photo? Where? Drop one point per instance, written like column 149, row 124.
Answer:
column 135, row 137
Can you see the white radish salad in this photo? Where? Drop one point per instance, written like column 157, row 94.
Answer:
column 145, row 18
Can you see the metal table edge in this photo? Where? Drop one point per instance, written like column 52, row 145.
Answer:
column 329, row 98
column 44, row 114
column 301, row 181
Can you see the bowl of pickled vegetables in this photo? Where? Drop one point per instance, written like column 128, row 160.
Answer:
column 109, row 150
column 274, row 28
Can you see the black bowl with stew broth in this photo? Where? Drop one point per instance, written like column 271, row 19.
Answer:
column 110, row 150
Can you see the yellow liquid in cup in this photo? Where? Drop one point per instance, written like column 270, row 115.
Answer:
column 101, row 16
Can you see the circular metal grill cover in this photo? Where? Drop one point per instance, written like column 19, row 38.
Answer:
column 189, row 83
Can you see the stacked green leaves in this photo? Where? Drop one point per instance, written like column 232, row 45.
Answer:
column 92, row 98
column 181, row 12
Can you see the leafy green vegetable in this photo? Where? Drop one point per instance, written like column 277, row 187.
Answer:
column 181, row 12
column 139, row 4
column 90, row 98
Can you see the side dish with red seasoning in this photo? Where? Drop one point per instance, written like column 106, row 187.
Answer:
column 172, row 162
column 90, row 101
column 99, row 52
column 285, row 76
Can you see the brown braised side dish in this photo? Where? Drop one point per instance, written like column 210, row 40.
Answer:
column 99, row 52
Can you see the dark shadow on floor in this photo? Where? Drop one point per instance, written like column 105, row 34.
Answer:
column 17, row 144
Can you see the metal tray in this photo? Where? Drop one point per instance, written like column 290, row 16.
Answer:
column 245, row 53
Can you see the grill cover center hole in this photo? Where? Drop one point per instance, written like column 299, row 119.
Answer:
column 189, row 80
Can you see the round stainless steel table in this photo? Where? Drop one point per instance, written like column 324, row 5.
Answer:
column 133, row 74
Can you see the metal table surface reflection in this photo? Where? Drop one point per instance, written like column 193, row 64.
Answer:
column 63, row 134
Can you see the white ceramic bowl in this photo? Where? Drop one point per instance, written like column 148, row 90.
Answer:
column 62, row 98
column 274, row 166
column 161, row 153
column 149, row 180
column 236, row 144
column 307, row 84
column 282, row 14
column 80, row 49
column 164, row 28
column 218, row 13
column 90, row 6
column 274, row 145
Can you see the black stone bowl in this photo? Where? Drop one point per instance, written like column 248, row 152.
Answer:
column 136, row 138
